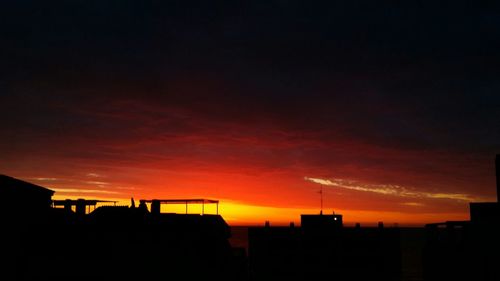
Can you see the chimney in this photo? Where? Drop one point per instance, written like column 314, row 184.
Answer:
column 497, row 165
column 80, row 207
column 155, row 207
column 67, row 205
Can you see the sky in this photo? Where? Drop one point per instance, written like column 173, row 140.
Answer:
column 391, row 109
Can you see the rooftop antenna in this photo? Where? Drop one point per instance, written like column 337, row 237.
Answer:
column 321, row 199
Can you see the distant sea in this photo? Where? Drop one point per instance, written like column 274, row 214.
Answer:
column 239, row 237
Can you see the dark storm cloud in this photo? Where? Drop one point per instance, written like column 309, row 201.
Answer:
column 415, row 75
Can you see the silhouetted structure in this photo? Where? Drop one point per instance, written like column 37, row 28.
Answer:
column 156, row 204
column 79, row 204
column 322, row 249
column 321, row 222
column 46, row 239
column 23, row 201
column 466, row 250
column 110, row 242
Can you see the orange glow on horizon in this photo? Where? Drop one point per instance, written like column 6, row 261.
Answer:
column 268, row 187
column 240, row 214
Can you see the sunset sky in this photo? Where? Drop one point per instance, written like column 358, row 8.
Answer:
column 394, row 112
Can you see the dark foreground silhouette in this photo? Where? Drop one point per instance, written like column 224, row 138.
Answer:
column 322, row 249
column 466, row 250
column 111, row 243
column 45, row 239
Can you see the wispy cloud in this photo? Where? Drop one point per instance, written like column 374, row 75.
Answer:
column 80, row 190
column 413, row 204
column 393, row 190
column 97, row 182
column 92, row 183
column 94, row 175
column 45, row 179
column 125, row 187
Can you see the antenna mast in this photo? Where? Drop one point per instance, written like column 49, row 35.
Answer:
column 321, row 198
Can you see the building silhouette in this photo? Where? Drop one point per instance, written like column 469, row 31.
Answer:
column 23, row 202
column 323, row 249
column 43, row 239
column 466, row 250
